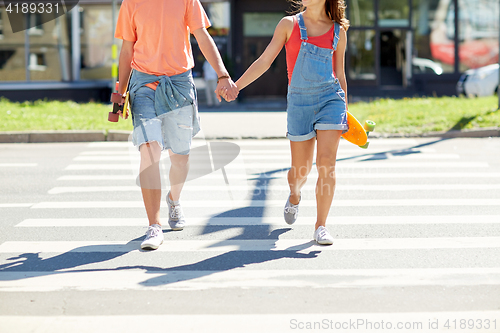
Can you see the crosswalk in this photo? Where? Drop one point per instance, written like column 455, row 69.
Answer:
column 417, row 243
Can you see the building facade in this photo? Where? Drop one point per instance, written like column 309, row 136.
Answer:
column 395, row 48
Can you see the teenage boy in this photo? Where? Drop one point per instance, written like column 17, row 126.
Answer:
column 156, row 54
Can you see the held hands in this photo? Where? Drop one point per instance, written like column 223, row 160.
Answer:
column 227, row 89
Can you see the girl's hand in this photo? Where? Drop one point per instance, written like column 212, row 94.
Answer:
column 226, row 89
column 222, row 93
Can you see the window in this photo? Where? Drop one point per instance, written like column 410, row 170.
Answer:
column 260, row 24
column 361, row 44
column 361, row 13
column 37, row 62
column 393, row 13
column 434, row 37
column 35, row 25
column 12, row 60
column 5, row 55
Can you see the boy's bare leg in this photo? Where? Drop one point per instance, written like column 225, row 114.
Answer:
column 151, row 181
column 178, row 173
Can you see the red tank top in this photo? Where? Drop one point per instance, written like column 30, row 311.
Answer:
column 293, row 46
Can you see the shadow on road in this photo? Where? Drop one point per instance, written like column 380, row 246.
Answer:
column 60, row 264
column 66, row 262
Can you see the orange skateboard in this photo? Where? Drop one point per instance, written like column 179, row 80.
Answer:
column 358, row 134
column 119, row 110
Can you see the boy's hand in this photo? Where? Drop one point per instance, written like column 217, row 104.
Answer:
column 227, row 89
column 123, row 100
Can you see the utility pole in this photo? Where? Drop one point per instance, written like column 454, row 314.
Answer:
column 114, row 50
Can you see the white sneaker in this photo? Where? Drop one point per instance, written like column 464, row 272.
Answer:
column 322, row 236
column 290, row 212
column 154, row 238
column 175, row 215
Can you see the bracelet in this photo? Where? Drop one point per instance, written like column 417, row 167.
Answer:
column 223, row 77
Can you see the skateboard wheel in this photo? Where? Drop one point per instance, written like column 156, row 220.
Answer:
column 113, row 117
column 117, row 84
column 369, row 126
column 365, row 146
column 116, row 98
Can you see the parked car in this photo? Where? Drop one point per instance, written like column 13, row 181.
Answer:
column 426, row 66
column 479, row 82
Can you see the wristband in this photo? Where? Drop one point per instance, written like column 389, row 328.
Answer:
column 223, row 77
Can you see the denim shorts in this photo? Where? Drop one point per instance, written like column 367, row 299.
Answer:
column 320, row 109
column 171, row 129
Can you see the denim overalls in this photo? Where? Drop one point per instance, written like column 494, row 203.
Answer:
column 315, row 98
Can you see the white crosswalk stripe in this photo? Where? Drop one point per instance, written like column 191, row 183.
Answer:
column 242, row 246
column 340, row 175
column 276, row 221
column 273, row 203
column 263, row 167
column 240, row 278
column 256, row 245
column 261, row 155
column 18, row 165
column 284, row 188
column 346, row 322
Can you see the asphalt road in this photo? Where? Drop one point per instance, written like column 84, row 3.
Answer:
column 416, row 224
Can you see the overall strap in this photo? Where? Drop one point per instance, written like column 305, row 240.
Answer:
column 336, row 37
column 302, row 27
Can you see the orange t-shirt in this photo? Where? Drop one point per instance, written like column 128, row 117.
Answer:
column 161, row 31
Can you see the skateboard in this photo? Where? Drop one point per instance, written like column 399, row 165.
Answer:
column 358, row 134
column 119, row 110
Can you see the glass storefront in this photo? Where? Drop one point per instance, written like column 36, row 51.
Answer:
column 50, row 54
column 390, row 43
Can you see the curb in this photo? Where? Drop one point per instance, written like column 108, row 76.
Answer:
column 62, row 136
column 99, row 136
column 476, row 133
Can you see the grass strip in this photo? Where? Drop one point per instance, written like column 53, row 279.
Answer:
column 433, row 114
column 405, row 116
column 56, row 115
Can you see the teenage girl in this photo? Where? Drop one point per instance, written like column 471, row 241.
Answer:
column 315, row 41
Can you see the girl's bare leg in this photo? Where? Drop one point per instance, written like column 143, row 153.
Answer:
column 302, row 160
column 328, row 143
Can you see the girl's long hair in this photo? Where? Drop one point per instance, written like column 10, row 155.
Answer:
column 335, row 10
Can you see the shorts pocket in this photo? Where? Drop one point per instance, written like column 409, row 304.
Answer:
column 341, row 94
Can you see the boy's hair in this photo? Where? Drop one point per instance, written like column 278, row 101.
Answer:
column 335, row 10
